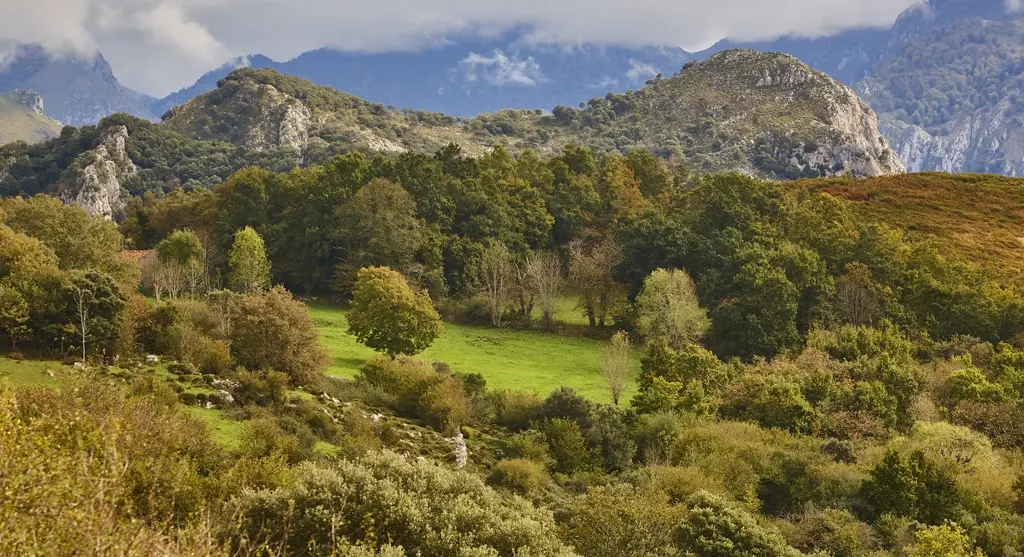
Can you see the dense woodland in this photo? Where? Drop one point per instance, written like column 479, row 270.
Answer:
column 812, row 381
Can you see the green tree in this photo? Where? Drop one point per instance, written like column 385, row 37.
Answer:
column 250, row 268
column 389, row 317
column 377, row 227
column 667, row 308
column 944, row 540
column 79, row 241
column 14, row 314
column 713, row 527
column 567, row 446
column 678, row 381
column 911, row 486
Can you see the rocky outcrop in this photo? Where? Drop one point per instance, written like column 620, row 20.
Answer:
column 30, row 100
column 97, row 184
column 766, row 114
column 988, row 141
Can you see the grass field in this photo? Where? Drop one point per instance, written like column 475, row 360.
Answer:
column 530, row 361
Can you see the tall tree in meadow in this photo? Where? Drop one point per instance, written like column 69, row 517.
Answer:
column 250, row 268
column 389, row 317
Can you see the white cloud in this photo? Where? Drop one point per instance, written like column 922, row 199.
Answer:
column 640, row 71
column 160, row 45
column 1014, row 5
column 499, row 69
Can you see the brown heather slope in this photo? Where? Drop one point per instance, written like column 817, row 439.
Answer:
column 980, row 217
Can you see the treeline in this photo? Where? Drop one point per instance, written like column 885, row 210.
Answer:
column 769, row 262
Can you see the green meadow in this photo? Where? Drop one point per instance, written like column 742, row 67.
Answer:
column 532, row 361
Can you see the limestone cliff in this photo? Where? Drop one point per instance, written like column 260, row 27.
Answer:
column 95, row 184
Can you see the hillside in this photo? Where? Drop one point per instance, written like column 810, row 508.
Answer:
column 763, row 114
column 952, row 100
column 22, row 118
column 78, row 90
column 978, row 217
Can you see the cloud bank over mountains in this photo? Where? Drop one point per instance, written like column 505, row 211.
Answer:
column 156, row 46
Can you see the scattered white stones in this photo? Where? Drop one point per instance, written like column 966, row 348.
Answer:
column 152, row 359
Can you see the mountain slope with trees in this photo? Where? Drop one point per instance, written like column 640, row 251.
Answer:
column 759, row 113
column 953, row 100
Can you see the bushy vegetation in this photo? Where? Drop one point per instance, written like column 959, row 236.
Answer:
column 812, row 381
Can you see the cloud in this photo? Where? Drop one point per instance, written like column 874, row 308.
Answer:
column 639, row 71
column 499, row 69
column 1014, row 5
column 160, row 45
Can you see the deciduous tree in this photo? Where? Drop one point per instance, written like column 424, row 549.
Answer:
column 389, row 317
column 668, row 308
column 250, row 268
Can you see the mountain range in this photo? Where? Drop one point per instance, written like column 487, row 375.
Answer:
column 470, row 76
column 762, row 114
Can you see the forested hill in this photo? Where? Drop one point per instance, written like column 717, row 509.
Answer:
column 954, row 99
column 763, row 114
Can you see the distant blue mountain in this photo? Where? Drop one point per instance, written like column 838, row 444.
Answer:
column 467, row 77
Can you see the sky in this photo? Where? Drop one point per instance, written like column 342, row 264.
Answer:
column 158, row 46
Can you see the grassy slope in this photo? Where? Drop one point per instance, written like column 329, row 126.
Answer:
column 18, row 123
column 509, row 359
column 979, row 216
column 33, row 372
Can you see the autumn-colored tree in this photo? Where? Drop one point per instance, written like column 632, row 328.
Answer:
column 273, row 331
column 389, row 317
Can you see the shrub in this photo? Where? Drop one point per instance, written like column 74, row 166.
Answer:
column 567, row 447
column 513, row 409
column 267, row 437
column 714, row 527
column 833, row 532
column 273, row 331
column 566, row 404
column 524, row 477
column 262, row 388
column 527, row 445
column 623, row 522
column 204, row 354
column 445, row 406
column 425, row 508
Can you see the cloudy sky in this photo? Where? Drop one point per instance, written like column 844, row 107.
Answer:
column 157, row 46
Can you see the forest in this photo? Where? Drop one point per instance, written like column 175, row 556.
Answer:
column 813, row 378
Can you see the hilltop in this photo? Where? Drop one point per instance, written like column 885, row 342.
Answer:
column 22, row 118
column 762, row 114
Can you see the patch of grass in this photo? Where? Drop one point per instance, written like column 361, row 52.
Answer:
column 979, row 217
column 29, row 372
column 530, row 361
column 223, row 430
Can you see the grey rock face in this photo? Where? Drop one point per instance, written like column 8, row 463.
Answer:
column 30, row 99
column 97, row 187
column 990, row 141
